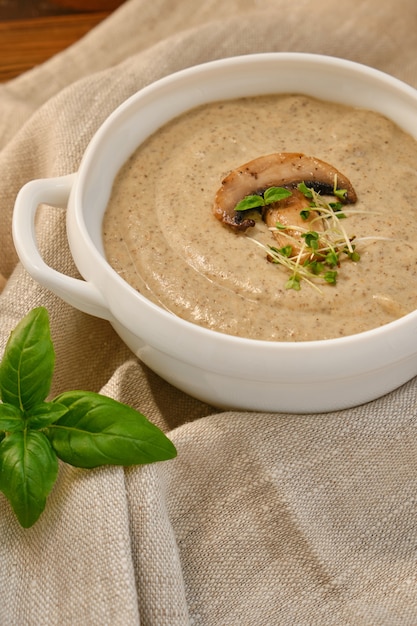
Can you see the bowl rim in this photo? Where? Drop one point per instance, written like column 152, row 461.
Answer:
column 124, row 108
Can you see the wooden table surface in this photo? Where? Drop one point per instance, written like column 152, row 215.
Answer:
column 31, row 31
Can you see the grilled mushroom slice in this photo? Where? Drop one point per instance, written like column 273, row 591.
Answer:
column 286, row 169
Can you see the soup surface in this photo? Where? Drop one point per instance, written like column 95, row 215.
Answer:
column 161, row 236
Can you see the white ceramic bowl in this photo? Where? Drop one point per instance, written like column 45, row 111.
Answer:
column 225, row 371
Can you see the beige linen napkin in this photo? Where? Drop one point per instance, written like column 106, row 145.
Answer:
column 262, row 519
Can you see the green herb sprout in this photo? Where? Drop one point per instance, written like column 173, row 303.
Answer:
column 320, row 251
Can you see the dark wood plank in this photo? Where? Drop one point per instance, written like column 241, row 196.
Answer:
column 26, row 43
column 33, row 31
column 23, row 9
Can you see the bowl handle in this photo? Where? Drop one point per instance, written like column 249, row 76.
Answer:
column 81, row 294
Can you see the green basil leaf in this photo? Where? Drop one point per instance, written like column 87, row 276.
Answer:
column 44, row 414
column 98, row 430
column 250, row 202
column 28, row 362
column 11, row 418
column 28, row 470
column 275, row 194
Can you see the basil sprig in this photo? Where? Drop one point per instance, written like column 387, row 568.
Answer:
column 84, row 429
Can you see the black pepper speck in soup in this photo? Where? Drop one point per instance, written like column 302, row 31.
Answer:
column 161, row 236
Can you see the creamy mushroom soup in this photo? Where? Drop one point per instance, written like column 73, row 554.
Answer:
column 161, row 235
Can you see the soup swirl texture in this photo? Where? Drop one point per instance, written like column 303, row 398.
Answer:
column 161, row 236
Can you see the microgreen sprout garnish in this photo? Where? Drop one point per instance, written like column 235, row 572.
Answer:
column 305, row 190
column 338, row 193
column 270, row 195
column 320, row 247
column 82, row 428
